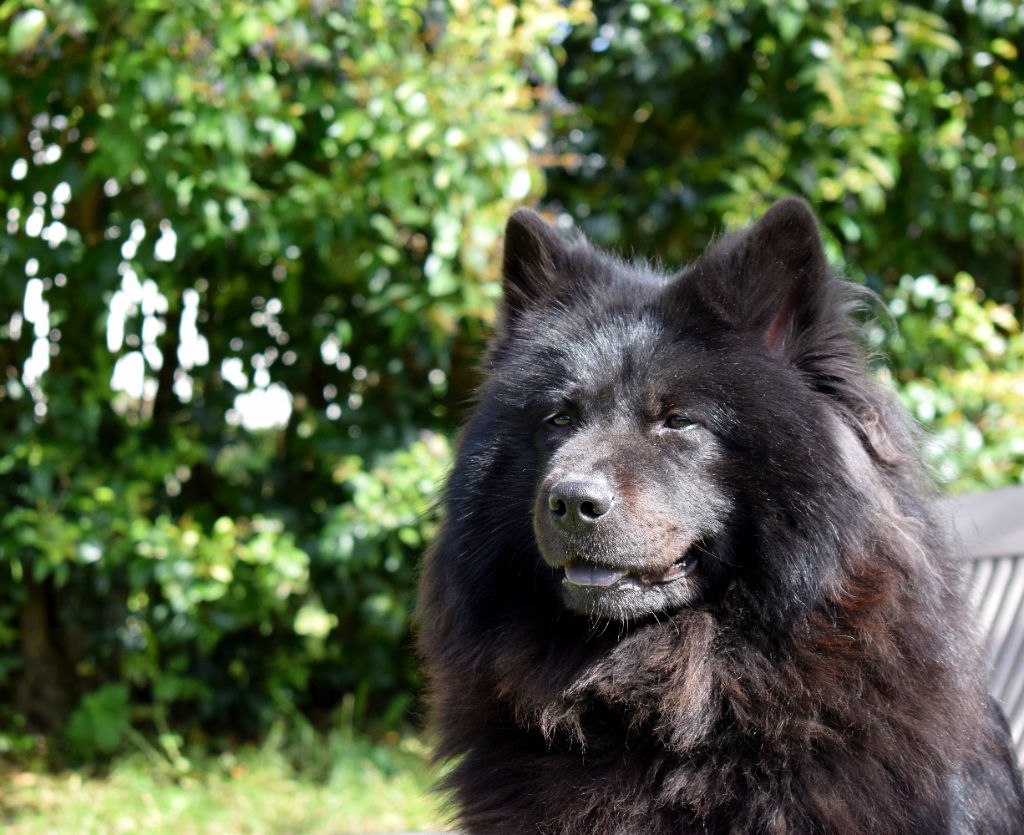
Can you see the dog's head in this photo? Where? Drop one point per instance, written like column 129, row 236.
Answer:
column 651, row 435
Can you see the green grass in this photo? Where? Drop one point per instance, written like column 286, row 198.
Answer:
column 334, row 785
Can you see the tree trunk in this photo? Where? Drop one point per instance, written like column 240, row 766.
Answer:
column 46, row 691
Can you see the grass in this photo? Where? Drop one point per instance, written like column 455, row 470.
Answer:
column 336, row 785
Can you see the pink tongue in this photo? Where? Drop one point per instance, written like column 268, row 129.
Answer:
column 588, row 575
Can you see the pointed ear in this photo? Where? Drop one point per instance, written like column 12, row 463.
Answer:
column 535, row 255
column 778, row 275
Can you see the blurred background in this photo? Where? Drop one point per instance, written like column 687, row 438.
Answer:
column 248, row 259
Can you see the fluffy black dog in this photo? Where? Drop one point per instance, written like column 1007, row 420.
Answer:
column 689, row 579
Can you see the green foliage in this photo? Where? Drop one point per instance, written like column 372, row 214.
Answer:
column 16, row 740
column 901, row 123
column 373, row 545
column 247, row 250
column 960, row 371
column 99, row 722
column 248, row 259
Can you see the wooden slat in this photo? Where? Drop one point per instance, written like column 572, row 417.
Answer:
column 991, row 529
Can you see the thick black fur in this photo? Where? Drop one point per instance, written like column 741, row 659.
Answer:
column 817, row 670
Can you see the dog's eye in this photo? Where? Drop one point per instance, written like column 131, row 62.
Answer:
column 679, row 422
column 561, row 420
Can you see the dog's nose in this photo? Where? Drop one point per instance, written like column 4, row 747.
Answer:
column 580, row 501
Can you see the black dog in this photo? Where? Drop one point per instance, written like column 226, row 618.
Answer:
column 690, row 579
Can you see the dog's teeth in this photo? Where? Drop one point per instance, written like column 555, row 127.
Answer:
column 586, row 575
column 682, row 568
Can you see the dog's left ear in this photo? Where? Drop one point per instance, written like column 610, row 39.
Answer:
column 772, row 278
column 784, row 270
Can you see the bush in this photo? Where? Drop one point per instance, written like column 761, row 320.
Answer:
column 899, row 123
column 247, row 250
column 958, row 363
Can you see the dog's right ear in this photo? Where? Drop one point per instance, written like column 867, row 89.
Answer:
column 535, row 256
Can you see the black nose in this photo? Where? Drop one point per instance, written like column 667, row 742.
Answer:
column 577, row 501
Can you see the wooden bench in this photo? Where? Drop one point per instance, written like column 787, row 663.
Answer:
column 991, row 529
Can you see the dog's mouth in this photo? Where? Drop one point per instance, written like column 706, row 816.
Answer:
column 590, row 575
column 629, row 591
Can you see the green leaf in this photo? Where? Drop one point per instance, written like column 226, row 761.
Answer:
column 26, row 30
